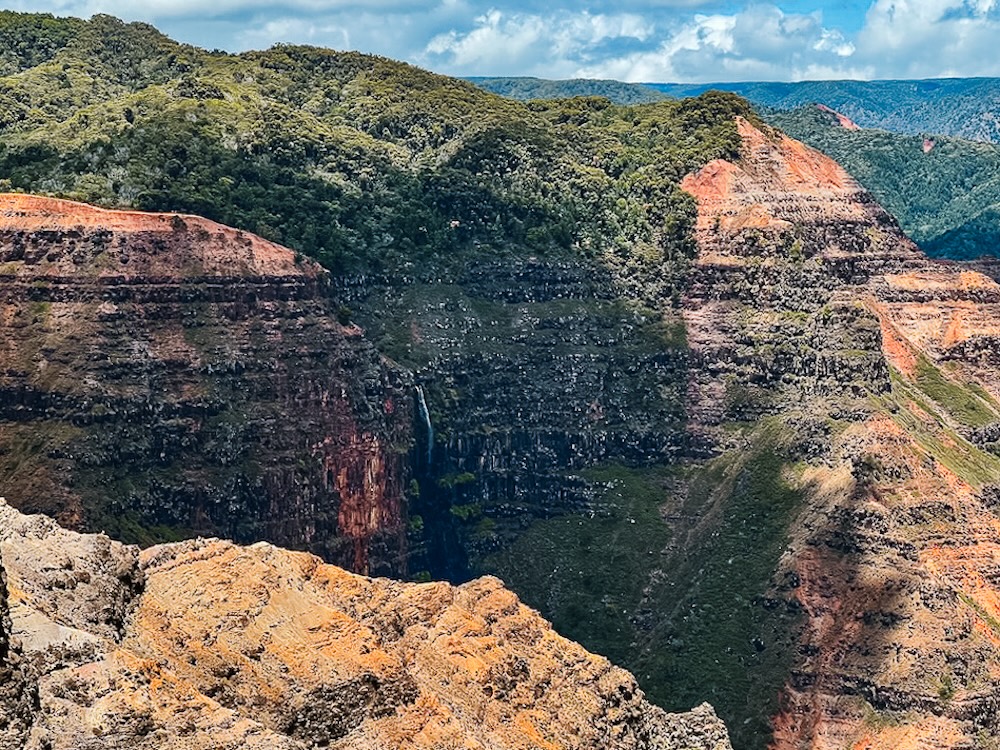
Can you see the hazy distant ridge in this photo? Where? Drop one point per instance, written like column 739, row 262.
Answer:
column 541, row 88
column 964, row 107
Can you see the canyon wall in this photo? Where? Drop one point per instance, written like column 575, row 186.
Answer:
column 778, row 492
column 890, row 554
column 165, row 376
column 534, row 370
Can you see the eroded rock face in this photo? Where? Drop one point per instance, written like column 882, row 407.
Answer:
column 533, row 369
column 166, row 375
column 786, row 239
column 207, row 644
column 16, row 694
column 892, row 559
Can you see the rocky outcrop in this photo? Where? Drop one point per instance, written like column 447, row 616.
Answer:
column 166, row 376
column 786, row 238
column 212, row 645
column 843, row 120
column 16, row 696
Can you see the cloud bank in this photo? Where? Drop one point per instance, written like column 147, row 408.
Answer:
column 658, row 40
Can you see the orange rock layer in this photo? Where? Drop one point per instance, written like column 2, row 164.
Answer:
column 207, row 644
column 136, row 240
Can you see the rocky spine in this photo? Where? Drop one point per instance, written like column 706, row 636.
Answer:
column 258, row 647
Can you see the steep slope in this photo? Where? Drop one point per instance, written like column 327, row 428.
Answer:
column 961, row 107
column 163, row 374
column 785, row 236
column 525, row 262
column 890, row 554
column 211, row 645
column 944, row 191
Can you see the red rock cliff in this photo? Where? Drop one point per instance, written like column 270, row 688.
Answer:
column 808, row 289
column 163, row 374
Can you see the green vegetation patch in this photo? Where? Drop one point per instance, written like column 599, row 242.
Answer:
column 966, row 404
column 934, row 434
column 671, row 578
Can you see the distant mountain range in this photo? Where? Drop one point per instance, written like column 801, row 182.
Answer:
column 526, row 88
column 963, row 107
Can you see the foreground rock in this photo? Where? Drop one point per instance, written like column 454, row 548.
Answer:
column 206, row 644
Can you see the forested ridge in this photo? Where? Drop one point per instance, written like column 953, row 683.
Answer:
column 358, row 161
column 945, row 191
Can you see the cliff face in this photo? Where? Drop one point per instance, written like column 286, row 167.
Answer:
column 534, row 369
column 890, row 555
column 165, row 375
column 786, row 238
column 15, row 688
column 212, row 645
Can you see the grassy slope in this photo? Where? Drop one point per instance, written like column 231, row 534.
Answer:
column 948, row 200
column 364, row 163
column 671, row 578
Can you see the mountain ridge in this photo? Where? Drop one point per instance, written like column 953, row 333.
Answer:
column 121, row 649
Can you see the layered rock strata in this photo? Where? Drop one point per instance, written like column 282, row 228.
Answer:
column 164, row 375
column 533, row 370
column 892, row 557
column 786, row 238
column 207, row 644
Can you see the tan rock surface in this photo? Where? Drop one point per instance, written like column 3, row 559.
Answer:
column 136, row 240
column 206, row 644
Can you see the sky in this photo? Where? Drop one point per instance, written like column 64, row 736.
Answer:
column 652, row 41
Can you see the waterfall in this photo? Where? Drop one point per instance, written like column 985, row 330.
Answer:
column 426, row 416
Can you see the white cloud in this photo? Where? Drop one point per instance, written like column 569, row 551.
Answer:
column 639, row 40
column 926, row 38
column 760, row 42
column 832, row 40
column 529, row 44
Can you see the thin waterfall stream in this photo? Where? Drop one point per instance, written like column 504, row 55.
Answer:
column 426, row 416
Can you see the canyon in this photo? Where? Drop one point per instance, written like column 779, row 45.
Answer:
column 830, row 391
column 890, row 557
column 674, row 377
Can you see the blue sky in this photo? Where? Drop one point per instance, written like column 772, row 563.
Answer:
column 656, row 40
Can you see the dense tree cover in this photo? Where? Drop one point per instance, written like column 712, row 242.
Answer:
column 359, row 161
column 27, row 40
column 962, row 107
column 526, row 88
column 947, row 198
